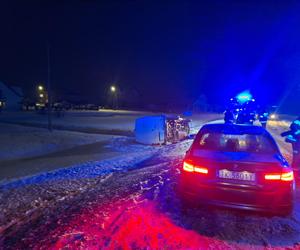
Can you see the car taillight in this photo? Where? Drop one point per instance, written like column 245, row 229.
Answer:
column 194, row 168
column 188, row 167
column 272, row 176
column 201, row 170
column 287, row 176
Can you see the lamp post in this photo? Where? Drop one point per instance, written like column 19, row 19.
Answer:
column 42, row 94
column 49, row 89
column 114, row 92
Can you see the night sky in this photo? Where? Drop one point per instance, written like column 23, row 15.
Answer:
column 169, row 52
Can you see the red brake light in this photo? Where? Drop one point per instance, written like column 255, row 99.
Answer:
column 192, row 168
column 272, row 176
column 288, row 176
column 201, row 170
column 188, row 167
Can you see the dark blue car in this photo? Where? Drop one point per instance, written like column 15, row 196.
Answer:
column 237, row 166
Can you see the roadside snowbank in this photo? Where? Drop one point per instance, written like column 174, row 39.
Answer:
column 19, row 141
column 130, row 155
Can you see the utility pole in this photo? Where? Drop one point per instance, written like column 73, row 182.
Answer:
column 49, row 90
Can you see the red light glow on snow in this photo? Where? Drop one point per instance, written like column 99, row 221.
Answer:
column 131, row 226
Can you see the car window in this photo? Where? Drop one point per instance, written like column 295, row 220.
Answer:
column 236, row 143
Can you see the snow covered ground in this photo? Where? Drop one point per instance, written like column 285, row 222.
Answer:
column 19, row 141
column 116, row 122
column 129, row 201
column 81, row 138
column 85, row 121
column 27, row 150
column 130, row 208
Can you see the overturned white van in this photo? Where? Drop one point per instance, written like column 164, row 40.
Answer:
column 161, row 129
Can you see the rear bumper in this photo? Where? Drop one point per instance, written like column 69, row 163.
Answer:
column 239, row 197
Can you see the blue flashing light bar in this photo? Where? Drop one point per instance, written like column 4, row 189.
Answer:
column 244, row 96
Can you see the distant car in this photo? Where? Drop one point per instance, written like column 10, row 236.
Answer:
column 237, row 166
column 92, row 107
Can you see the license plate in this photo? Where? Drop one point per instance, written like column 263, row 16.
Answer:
column 233, row 175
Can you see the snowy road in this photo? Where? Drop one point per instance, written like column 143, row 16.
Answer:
column 133, row 209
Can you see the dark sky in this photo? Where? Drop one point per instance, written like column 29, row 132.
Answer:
column 170, row 52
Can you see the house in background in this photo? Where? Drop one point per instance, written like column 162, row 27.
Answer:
column 10, row 97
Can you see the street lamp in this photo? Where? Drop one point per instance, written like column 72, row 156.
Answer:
column 114, row 95
column 40, row 88
column 113, row 89
column 41, row 95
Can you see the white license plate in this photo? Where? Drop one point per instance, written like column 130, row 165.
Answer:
column 233, row 175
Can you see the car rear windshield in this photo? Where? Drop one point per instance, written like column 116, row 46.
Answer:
column 236, row 143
